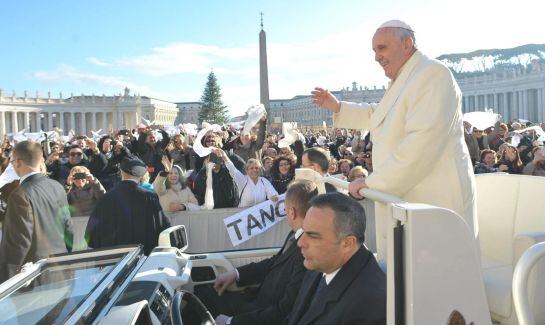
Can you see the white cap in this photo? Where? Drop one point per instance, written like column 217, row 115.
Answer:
column 396, row 24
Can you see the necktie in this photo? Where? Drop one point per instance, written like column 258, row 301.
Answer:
column 321, row 286
column 289, row 241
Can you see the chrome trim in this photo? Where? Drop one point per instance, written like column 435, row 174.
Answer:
column 106, row 309
column 520, row 283
column 90, row 301
column 20, row 279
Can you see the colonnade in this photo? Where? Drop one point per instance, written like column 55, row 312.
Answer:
column 81, row 122
column 525, row 104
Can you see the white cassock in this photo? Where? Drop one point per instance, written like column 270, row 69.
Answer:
column 419, row 153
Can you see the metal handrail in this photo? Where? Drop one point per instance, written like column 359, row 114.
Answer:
column 374, row 195
column 520, row 283
column 377, row 196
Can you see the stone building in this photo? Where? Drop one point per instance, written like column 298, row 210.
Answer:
column 188, row 112
column 515, row 93
column 81, row 113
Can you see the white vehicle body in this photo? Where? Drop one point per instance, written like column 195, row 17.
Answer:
column 433, row 266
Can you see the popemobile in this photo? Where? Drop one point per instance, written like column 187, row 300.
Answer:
column 436, row 272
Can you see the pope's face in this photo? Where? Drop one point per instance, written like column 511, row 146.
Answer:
column 390, row 51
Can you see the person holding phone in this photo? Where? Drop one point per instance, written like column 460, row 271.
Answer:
column 83, row 191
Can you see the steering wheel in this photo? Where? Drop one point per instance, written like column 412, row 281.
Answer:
column 189, row 303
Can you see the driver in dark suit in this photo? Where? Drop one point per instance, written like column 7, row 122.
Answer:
column 279, row 277
column 344, row 284
column 37, row 221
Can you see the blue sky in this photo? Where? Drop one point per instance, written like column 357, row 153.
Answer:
column 165, row 49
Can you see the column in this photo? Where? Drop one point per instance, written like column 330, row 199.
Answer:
column 94, row 121
column 520, row 104
column 105, row 121
column 541, row 107
column 486, row 100
column 38, row 122
column 3, row 123
column 50, row 121
column 120, row 121
column 83, row 124
column 14, row 124
column 72, row 121
column 27, row 121
column 525, row 106
column 115, row 121
column 61, row 123
column 495, row 103
column 466, row 104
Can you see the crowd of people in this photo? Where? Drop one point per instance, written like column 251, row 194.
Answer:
column 129, row 179
column 245, row 169
column 504, row 148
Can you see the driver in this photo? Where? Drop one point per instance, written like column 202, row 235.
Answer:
column 278, row 277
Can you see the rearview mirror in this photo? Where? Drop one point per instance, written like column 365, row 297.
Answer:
column 175, row 236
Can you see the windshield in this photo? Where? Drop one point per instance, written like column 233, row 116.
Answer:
column 52, row 295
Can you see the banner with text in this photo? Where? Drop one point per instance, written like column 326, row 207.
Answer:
column 255, row 220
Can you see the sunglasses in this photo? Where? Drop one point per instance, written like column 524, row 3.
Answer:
column 76, row 154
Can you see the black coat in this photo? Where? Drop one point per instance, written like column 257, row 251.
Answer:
column 280, row 278
column 225, row 190
column 37, row 224
column 356, row 295
column 128, row 214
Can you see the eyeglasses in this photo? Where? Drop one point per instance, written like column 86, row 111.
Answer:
column 76, row 154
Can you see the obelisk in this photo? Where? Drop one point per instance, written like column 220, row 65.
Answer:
column 263, row 71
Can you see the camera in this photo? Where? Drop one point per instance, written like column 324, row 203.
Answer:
column 79, row 176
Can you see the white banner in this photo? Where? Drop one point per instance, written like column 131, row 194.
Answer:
column 255, row 220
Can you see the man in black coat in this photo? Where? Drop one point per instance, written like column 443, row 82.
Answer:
column 279, row 277
column 37, row 221
column 128, row 214
column 344, row 284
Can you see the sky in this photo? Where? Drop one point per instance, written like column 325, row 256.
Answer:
column 165, row 49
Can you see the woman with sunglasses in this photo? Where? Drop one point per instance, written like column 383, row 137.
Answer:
column 282, row 173
column 83, row 191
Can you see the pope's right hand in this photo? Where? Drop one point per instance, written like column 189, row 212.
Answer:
column 324, row 98
column 224, row 280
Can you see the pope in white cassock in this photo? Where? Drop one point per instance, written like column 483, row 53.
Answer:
column 419, row 153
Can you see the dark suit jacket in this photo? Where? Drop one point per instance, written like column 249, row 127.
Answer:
column 356, row 295
column 128, row 214
column 280, row 277
column 37, row 224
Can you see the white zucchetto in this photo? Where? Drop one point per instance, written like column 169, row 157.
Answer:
column 396, row 24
